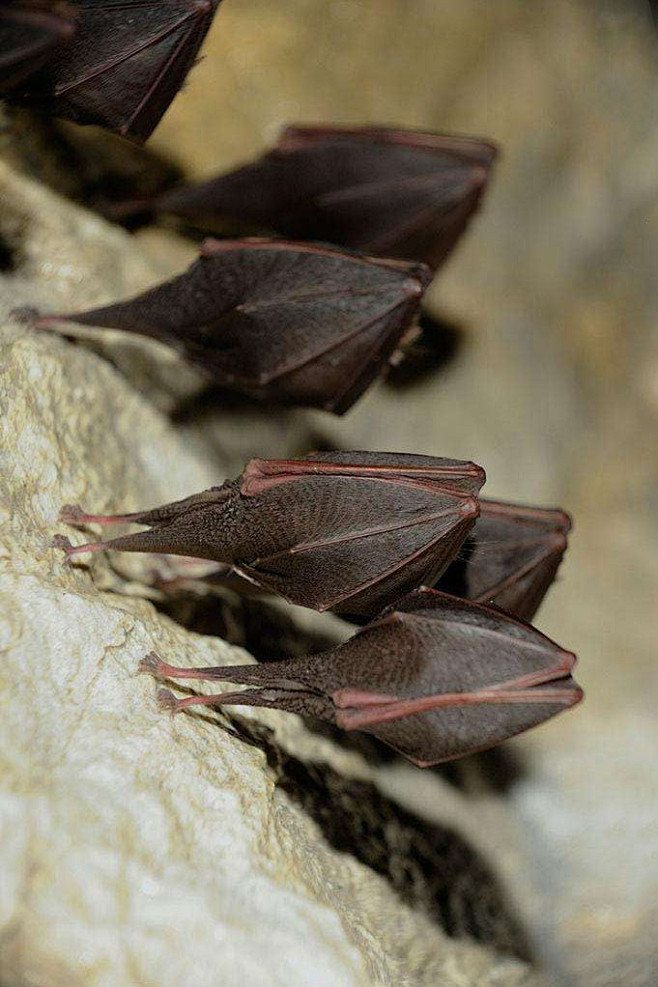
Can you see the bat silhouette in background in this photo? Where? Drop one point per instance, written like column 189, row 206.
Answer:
column 510, row 558
column 125, row 64
column 394, row 193
column 349, row 532
column 435, row 679
column 283, row 322
column 30, row 35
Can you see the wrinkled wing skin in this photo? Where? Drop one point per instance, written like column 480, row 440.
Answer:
column 360, row 530
column 436, row 644
column 393, row 193
column 511, row 557
column 28, row 38
column 127, row 62
column 280, row 321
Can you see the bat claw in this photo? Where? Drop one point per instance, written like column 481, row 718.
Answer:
column 71, row 514
column 167, row 702
column 63, row 543
column 151, row 664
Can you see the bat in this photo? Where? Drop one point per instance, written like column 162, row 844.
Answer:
column 395, row 193
column 125, row 65
column 510, row 558
column 344, row 531
column 435, row 678
column 283, row 322
column 29, row 36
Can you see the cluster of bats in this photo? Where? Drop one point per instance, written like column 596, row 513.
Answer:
column 341, row 233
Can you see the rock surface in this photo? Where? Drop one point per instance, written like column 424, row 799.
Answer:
column 208, row 849
column 181, row 833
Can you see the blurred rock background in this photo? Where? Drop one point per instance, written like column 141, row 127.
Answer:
column 553, row 386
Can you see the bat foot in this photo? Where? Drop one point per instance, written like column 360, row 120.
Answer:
column 151, row 664
column 26, row 315
column 167, row 702
column 64, row 544
column 72, row 514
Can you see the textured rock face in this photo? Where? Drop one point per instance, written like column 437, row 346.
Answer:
column 206, row 850
column 142, row 851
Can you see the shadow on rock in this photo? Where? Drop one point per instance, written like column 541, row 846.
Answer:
column 431, row 867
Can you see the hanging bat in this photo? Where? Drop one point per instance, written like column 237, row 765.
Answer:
column 282, row 322
column 29, row 36
column 126, row 63
column 344, row 531
column 395, row 193
column 435, row 679
column 510, row 558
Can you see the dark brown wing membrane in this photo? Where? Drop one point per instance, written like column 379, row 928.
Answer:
column 444, row 734
column 508, row 676
column 395, row 193
column 28, row 38
column 128, row 60
column 363, row 528
column 475, row 149
column 436, row 678
column 350, row 535
column 510, row 558
column 280, row 321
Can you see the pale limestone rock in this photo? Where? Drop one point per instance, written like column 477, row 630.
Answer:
column 140, row 850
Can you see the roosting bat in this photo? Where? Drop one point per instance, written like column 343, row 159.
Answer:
column 395, row 193
column 126, row 63
column 435, row 679
column 345, row 531
column 29, row 36
column 280, row 321
column 510, row 558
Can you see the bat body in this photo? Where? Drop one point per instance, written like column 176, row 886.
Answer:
column 394, row 193
column 348, row 532
column 435, row 678
column 29, row 37
column 510, row 558
column 126, row 63
column 284, row 322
